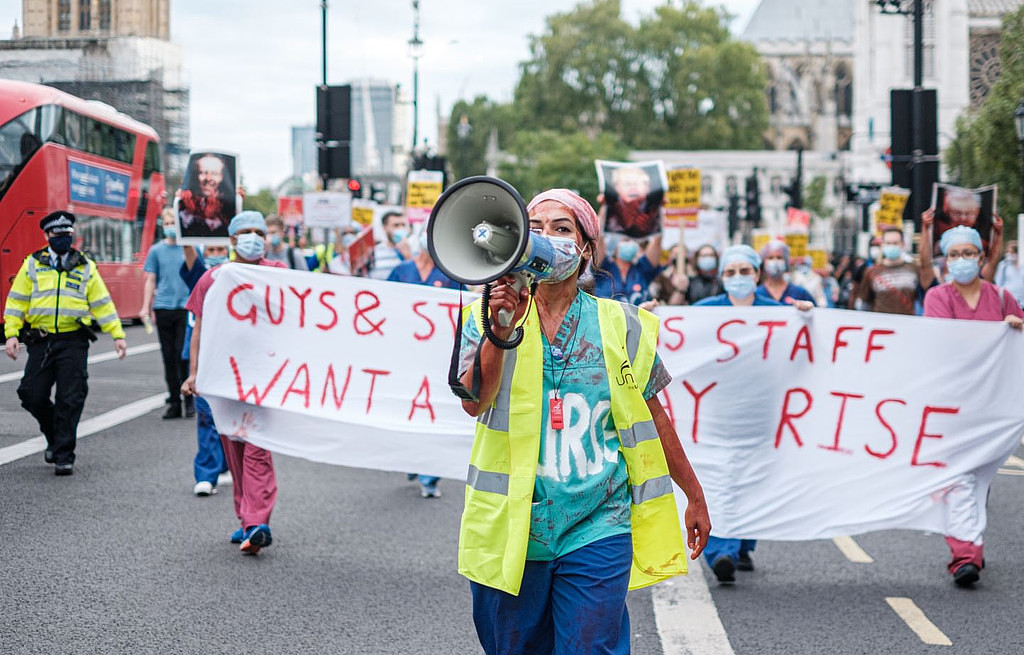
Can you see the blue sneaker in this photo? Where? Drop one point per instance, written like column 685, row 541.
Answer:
column 256, row 537
column 237, row 536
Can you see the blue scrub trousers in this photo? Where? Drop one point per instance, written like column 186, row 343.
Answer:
column 573, row 604
column 210, row 461
column 717, row 547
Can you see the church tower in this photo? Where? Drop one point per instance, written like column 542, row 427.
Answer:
column 100, row 18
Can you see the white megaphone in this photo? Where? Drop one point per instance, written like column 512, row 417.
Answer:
column 479, row 231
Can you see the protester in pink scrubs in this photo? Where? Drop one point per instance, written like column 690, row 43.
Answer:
column 967, row 296
column 252, row 469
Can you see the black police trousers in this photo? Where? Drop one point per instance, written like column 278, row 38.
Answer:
column 60, row 361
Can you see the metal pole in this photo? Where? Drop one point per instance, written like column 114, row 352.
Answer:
column 917, row 117
column 414, row 45
column 323, row 42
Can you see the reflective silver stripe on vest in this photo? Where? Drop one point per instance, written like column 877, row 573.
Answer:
column 15, row 313
column 653, row 488
column 639, row 431
column 109, row 318
column 495, row 483
column 44, row 294
column 100, row 302
column 31, row 272
column 496, row 416
column 86, row 272
column 53, row 311
column 633, row 330
column 14, row 295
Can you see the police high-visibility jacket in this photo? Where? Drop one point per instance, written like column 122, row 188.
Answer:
column 59, row 300
column 503, row 465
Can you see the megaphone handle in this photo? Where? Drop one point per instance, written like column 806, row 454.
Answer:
column 505, row 316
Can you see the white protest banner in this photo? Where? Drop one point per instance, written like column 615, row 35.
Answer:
column 335, row 369
column 327, row 209
column 712, row 228
column 828, row 423
column 799, row 425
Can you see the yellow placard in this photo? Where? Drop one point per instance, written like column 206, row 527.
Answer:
column 891, row 204
column 819, row 258
column 758, row 239
column 362, row 215
column 683, row 195
column 797, row 242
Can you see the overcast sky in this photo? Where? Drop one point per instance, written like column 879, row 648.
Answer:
column 253, row 66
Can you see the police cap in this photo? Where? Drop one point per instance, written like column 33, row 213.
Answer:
column 60, row 221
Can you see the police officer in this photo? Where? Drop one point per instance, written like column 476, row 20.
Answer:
column 53, row 300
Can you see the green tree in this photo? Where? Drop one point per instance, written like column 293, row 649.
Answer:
column 677, row 80
column 543, row 159
column 986, row 149
column 483, row 116
column 814, row 197
column 263, row 201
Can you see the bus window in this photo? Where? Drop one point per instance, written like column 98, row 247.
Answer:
column 18, row 142
column 106, row 239
column 108, row 141
column 152, row 162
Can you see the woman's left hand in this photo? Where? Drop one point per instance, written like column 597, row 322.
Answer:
column 1014, row 322
column 803, row 305
column 698, row 526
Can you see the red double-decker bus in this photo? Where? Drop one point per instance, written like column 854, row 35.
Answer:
column 61, row 152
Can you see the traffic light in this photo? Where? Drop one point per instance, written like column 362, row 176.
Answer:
column 753, row 199
column 734, row 214
column 355, row 187
column 334, row 131
column 379, row 192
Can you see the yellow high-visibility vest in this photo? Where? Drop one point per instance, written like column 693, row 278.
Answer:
column 495, row 527
column 59, row 301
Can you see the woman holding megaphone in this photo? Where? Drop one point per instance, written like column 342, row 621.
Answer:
column 569, row 500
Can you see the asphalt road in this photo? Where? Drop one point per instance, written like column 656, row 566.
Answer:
column 122, row 558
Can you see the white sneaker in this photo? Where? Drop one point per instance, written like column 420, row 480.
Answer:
column 224, row 478
column 204, row 488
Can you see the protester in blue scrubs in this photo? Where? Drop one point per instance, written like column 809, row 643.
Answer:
column 739, row 268
column 776, row 285
column 626, row 274
column 421, row 270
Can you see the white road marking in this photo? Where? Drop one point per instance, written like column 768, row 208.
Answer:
column 95, row 359
column 1016, row 464
column 852, row 550
column 686, row 616
column 85, row 428
column 915, row 619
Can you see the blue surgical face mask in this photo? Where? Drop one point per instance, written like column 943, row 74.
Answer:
column 963, row 271
column 740, row 286
column 567, row 259
column 61, row 243
column 890, row 251
column 170, row 232
column 214, row 260
column 775, row 267
column 627, row 250
column 275, row 240
column 399, row 235
column 250, row 246
column 707, row 263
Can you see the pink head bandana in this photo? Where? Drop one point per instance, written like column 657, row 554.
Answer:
column 579, row 207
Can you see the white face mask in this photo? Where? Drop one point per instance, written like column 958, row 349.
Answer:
column 567, row 259
column 250, row 246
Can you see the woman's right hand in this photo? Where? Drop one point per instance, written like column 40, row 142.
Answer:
column 188, row 387
column 504, row 297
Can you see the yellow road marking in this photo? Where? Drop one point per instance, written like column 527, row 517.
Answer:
column 852, row 550
column 915, row 619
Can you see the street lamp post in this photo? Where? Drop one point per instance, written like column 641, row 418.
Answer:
column 1018, row 119
column 415, row 51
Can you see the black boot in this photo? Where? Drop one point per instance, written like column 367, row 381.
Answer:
column 173, row 409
